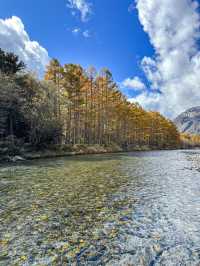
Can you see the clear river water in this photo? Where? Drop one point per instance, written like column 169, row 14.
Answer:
column 115, row 209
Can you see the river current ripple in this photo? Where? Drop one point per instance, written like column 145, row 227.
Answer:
column 165, row 224
column 125, row 209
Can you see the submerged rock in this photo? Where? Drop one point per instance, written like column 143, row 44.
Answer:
column 16, row 159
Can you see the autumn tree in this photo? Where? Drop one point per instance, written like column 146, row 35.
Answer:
column 76, row 106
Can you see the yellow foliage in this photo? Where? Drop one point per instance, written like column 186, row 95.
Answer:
column 98, row 113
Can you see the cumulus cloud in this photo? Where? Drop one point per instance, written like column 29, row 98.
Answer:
column 173, row 30
column 133, row 83
column 149, row 98
column 14, row 38
column 82, row 6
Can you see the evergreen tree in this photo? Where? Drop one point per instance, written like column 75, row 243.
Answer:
column 10, row 63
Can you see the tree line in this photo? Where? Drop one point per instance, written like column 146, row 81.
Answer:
column 189, row 141
column 72, row 105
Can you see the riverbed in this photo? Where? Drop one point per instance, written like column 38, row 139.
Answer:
column 140, row 208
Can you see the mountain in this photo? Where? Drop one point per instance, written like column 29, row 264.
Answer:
column 189, row 121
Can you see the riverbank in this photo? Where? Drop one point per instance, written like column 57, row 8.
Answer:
column 67, row 150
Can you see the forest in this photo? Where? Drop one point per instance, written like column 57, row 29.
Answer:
column 73, row 106
column 189, row 141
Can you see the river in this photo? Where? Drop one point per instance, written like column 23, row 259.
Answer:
column 115, row 209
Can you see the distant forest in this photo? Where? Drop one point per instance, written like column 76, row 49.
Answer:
column 72, row 105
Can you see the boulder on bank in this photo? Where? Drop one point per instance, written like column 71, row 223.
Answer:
column 17, row 158
column 12, row 159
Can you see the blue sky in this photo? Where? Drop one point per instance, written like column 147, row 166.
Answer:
column 117, row 40
column 152, row 51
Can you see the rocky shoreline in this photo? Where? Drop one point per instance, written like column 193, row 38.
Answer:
column 73, row 150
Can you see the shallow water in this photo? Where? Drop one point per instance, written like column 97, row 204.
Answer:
column 123, row 209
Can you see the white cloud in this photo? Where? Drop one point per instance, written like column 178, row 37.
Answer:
column 82, row 6
column 173, row 29
column 79, row 32
column 134, row 83
column 76, row 31
column 149, row 99
column 14, row 38
column 86, row 34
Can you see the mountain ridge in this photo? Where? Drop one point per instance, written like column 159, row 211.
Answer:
column 189, row 121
